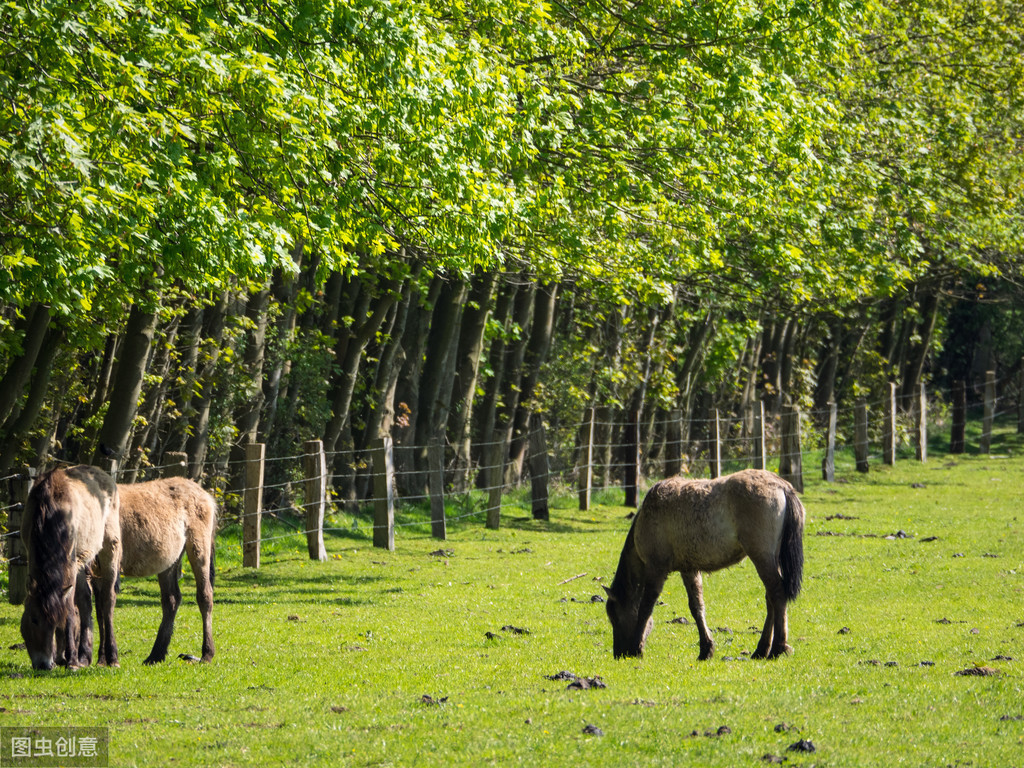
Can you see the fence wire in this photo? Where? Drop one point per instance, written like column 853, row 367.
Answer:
column 736, row 445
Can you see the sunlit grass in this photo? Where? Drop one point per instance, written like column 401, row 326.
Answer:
column 328, row 663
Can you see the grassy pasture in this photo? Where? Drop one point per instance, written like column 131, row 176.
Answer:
column 329, row 663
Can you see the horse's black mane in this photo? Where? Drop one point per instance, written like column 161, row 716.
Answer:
column 50, row 543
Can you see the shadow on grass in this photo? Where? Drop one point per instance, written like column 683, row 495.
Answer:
column 566, row 524
column 308, row 585
column 18, row 666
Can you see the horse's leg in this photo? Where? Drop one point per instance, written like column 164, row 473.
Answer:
column 170, row 599
column 695, row 595
column 105, row 588
column 765, row 643
column 67, row 635
column 773, row 636
column 60, row 652
column 645, row 610
column 199, row 557
column 83, row 601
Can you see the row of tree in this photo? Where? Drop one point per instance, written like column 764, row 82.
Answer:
column 228, row 222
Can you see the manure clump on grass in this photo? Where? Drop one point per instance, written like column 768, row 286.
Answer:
column 978, row 672
column 577, row 682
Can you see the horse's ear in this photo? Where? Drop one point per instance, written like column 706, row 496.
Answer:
column 607, row 590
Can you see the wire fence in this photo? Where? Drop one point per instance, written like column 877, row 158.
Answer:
column 282, row 495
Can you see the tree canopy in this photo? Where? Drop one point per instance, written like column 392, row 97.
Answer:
column 690, row 175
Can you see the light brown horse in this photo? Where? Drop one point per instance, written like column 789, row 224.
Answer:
column 691, row 526
column 160, row 521
column 70, row 529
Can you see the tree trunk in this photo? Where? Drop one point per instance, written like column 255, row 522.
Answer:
column 686, row 377
column 828, row 366
column 438, row 377
column 786, row 359
column 771, row 361
column 19, row 424
column 153, row 403
column 34, row 326
column 407, row 391
column 127, row 386
column 247, row 419
column 381, row 411
column 188, row 369
column 369, row 314
column 749, row 371
column 284, row 292
column 496, row 358
column 919, row 355
column 471, row 346
column 536, row 355
column 213, row 334
column 515, row 354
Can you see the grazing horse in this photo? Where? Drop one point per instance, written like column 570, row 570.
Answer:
column 691, row 526
column 70, row 530
column 160, row 521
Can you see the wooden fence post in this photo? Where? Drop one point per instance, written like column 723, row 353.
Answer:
column 539, row 469
column 828, row 463
column 989, row 413
column 17, row 562
column 957, row 436
column 674, row 444
column 175, row 464
column 631, row 459
column 384, row 493
column 435, row 458
column 922, row 424
column 252, row 507
column 715, row 446
column 315, row 467
column 889, row 431
column 860, row 430
column 585, row 477
column 791, row 460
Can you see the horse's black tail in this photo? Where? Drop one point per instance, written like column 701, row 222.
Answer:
column 213, row 546
column 791, row 551
column 213, row 558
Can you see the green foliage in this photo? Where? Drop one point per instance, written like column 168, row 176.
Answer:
column 657, row 160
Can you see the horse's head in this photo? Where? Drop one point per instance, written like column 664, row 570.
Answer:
column 37, row 630
column 628, row 637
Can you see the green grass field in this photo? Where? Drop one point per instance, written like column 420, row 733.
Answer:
column 330, row 663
